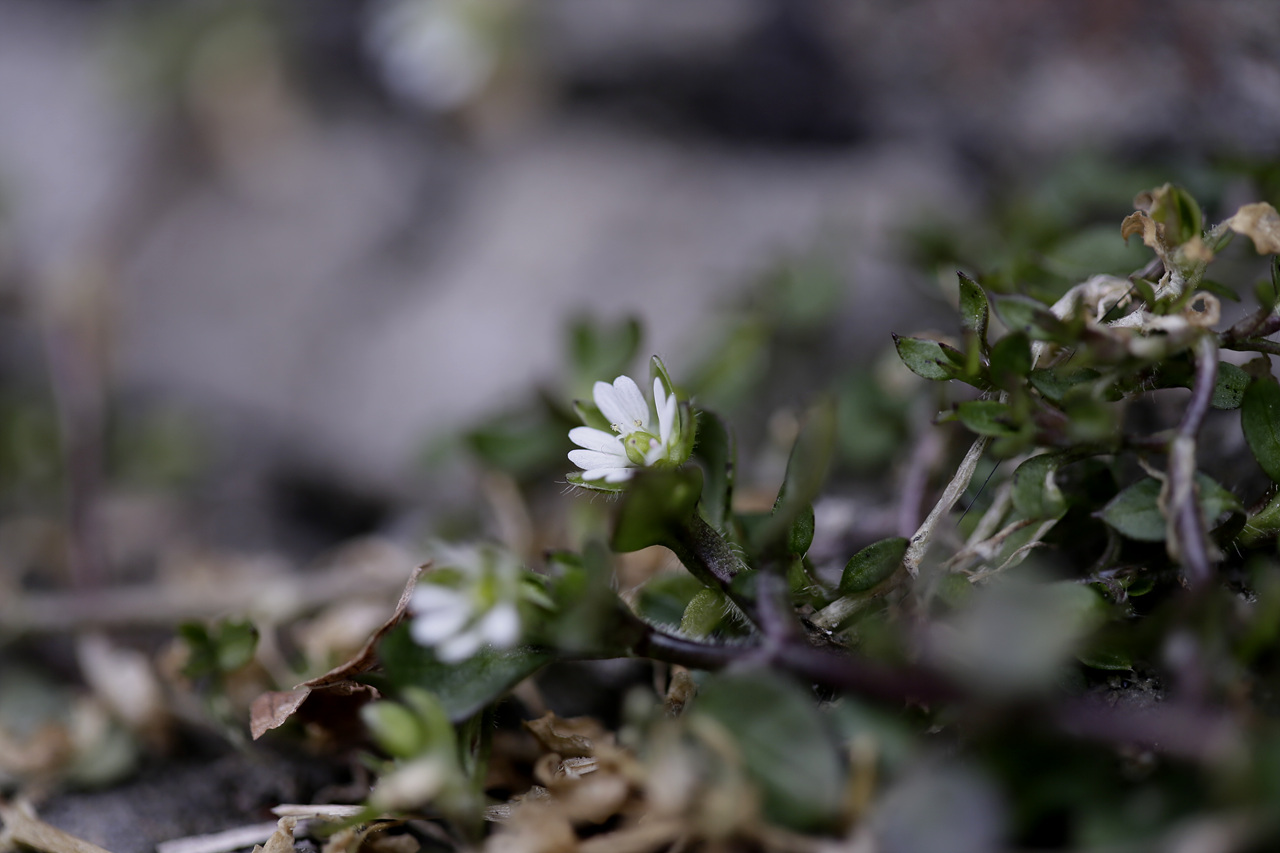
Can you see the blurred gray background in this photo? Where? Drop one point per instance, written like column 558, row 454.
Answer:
column 328, row 231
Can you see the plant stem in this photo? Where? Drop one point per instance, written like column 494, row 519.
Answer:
column 920, row 541
column 1189, row 541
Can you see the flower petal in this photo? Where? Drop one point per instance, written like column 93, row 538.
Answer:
column 500, row 626
column 597, row 440
column 633, row 403
column 606, row 397
column 612, row 475
column 437, row 627
column 460, row 647
column 666, row 407
column 431, row 597
column 588, row 459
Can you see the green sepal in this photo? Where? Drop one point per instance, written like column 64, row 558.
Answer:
column 703, row 614
column 575, row 479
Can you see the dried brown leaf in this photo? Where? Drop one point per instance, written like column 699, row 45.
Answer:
column 1260, row 223
column 572, row 737
column 272, row 709
column 1139, row 223
column 281, row 841
column 23, row 828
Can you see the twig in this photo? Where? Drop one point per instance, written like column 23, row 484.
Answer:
column 1188, row 540
column 920, row 540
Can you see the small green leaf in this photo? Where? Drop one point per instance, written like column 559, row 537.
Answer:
column 925, row 358
column 664, row 598
column 784, row 743
column 791, row 524
column 1228, row 391
column 395, row 728
column 1054, row 383
column 597, row 349
column 1135, row 512
column 1035, row 490
column 1260, row 419
column 654, row 502
column 988, row 417
column 1010, row 360
column 1032, row 318
column 872, row 565
column 703, row 614
column 975, row 313
column 716, row 452
column 462, row 688
column 1106, row 659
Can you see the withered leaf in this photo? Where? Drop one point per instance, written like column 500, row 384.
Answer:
column 273, row 708
column 571, row 738
column 1260, row 223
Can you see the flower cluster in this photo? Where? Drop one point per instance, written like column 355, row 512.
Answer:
column 614, row 456
column 471, row 599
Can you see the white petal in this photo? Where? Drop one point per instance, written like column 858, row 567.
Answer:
column 612, row 475
column 437, row 627
column 606, row 397
column 461, row 647
column 588, row 459
column 431, row 597
column 597, row 439
column 633, row 403
column 501, row 626
column 657, row 451
column 666, row 407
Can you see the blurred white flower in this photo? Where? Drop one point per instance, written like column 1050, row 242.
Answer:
column 431, row 52
column 469, row 600
column 613, row 457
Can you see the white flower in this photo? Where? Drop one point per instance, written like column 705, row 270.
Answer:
column 468, row 602
column 613, row 457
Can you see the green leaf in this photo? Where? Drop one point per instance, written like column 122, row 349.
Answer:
column 872, row 565
column 1135, row 512
column 988, row 417
column 1228, row 391
column 395, row 728
column 925, row 358
column 462, row 688
column 716, row 451
column 806, row 472
column 1035, row 489
column 1010, row 360
column 1177, row 210
column 1260, row 419
column 219, row 649
column 975, row 313
column 663, row 599
column 785, row 746
column 703, row 613
column 519, row 442
column 1032, row 318
column 655, row 501
column 1055, row 383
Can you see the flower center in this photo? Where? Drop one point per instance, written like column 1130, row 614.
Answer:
column 637, row 445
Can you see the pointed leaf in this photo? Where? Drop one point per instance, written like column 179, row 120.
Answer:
column 1035, row 491
column 975, row 313
column 925, row 358
column 1260, row 420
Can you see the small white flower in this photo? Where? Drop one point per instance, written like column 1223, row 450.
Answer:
column 613, row 457
column 468, row 602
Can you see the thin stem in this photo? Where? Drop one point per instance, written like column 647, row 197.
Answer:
column 1189, row 544
column 1254, row 345
column 920, row 540
column 819, row 666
